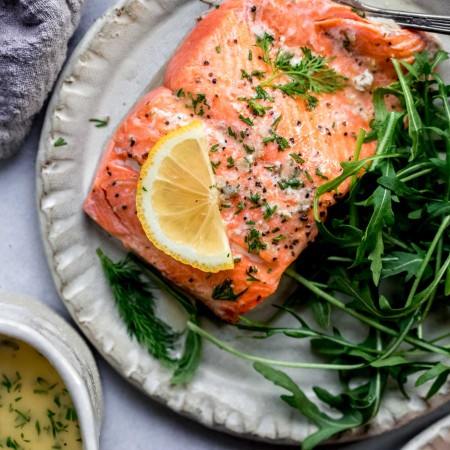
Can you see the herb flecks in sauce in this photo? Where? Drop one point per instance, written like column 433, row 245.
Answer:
column 36, row 411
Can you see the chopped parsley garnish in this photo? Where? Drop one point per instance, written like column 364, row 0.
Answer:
column 276, row 122
column 320, row 174
column 198, row 104
column 246, row 120
column 309, row 177
column 262, row 94
column 240, row 207
column 224, row 291
column 265, row 43
column 230, row 162
column 282, row 142
column 293, row 183
column 359, row 13
column 218, row 49
column 59, row 142
column 296, row 158
column 215, row 165
column 276, row 240
column 254, row 197
column 248, row 149
column 250, row 272
column 254, row 242
column 269, row 210
column 100, row 122
column 214, row 148
column 256, row 107
column 231, row 133
column 254, row 73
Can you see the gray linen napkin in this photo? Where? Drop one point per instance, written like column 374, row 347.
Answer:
column 33, row 45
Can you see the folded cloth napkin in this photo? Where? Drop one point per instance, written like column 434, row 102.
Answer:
column 33, row 45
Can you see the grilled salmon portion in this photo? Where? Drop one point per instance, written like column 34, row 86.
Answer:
column 271, row 144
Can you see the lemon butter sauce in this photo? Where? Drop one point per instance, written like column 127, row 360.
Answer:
column 36, row 410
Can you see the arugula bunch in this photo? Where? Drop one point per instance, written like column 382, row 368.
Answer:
column 382, row 257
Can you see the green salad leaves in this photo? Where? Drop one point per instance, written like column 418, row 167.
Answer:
column 382, row 258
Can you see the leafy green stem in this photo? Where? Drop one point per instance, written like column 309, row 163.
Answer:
column 203, row 333
column 353, row 206
column 367, row 320
column 445, row 223
column 443, row 94
column 416, row 175
column 395, row 241
column 399, row 339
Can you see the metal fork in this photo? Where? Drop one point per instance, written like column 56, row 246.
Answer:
column 428, row 22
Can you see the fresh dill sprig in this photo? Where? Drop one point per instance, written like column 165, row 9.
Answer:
column 265, row 43
column 309, row 76
column 136, row 304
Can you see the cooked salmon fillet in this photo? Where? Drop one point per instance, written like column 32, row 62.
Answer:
column 268, row 161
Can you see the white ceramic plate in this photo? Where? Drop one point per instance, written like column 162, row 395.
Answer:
column 435, row 437
column 122, row 56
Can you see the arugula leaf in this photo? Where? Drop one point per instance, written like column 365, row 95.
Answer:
column 327, row 426
column 372, row 242
column 439, row 373
column 322, row 312
column 190, row 360
column 415, row 128
column 399, row 262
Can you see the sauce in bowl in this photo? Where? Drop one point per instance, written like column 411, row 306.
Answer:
column 36, row 410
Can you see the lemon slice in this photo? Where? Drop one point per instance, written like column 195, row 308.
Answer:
column 177, row 203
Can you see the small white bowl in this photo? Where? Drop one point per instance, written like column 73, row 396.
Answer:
column 30, row 321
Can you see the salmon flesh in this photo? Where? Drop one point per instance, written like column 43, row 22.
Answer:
column 270, row 149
